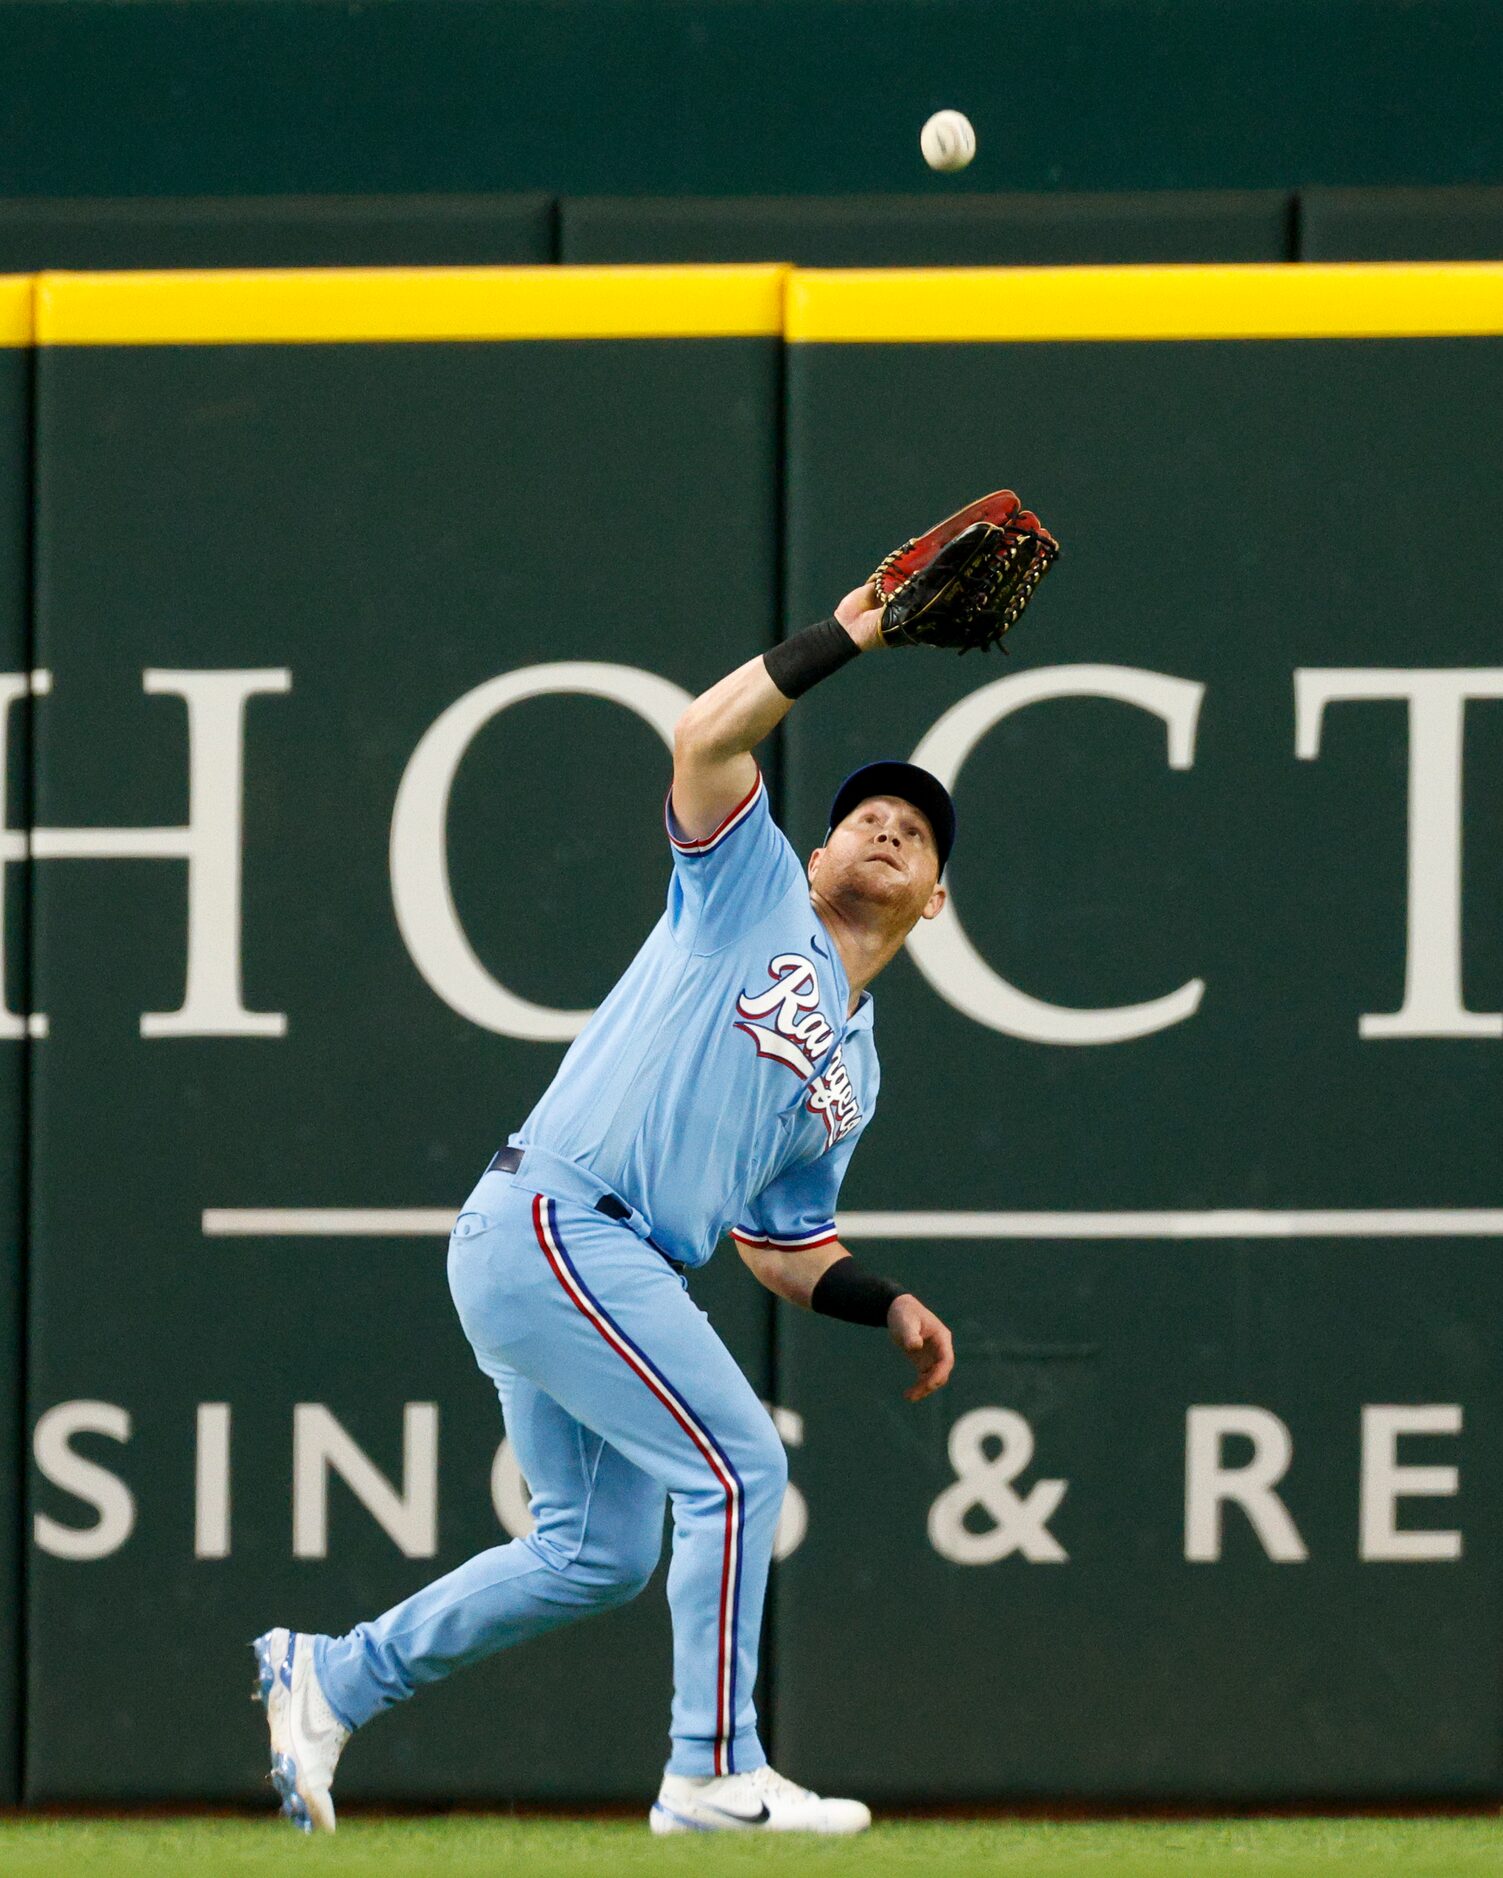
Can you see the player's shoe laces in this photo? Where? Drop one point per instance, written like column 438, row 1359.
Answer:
column 306, row 1735
column 761, row 1801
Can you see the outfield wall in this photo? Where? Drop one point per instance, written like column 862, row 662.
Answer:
column 969, row 228
column 741, row 97
column 368, row 601
column 15, row 637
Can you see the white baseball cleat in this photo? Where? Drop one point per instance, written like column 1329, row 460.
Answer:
column 761, row 1801
column 306, row 1735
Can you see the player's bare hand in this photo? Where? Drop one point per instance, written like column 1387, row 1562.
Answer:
column 861, row 616
column 925, row 1341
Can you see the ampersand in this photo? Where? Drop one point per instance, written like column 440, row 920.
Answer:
column 1019, row 1522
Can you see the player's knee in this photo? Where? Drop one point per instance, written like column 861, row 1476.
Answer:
column 764, row 1471
column 627, row 1585
column 615, row 1573
column 635, row 1562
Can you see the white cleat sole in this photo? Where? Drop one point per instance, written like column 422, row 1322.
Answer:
column 851, row 1817
column 662, row 1821
column 308, row 1808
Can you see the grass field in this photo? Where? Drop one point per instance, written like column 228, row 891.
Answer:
column 545, row 1848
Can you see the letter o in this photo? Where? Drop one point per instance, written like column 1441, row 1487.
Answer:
column 940, row 948
column 419, row 854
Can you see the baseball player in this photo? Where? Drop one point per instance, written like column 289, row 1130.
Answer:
column 721, row 1087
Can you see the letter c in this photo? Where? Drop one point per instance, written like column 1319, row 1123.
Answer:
column 940, row 947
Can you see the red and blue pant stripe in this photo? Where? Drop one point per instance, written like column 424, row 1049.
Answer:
column 545, row 1224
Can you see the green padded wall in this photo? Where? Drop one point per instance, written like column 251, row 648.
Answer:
column 931, row 231
column 390, row 526
column 1401, row 224
column 274, row 231
column 1218, row 532
column 741, row 97
column 15, row 634
column 1126, row 1671
column 1218, row 1471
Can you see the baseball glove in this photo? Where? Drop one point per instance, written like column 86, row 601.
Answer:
column 965, row 583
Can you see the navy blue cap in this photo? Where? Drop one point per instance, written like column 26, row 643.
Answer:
column 908, row 783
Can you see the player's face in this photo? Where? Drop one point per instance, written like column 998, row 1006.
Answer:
column 883, row 852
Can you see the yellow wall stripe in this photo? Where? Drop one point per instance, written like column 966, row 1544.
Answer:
column 1305, row 300
column 313, row 306
column 15, row 309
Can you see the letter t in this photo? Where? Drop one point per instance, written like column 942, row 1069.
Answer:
column 1437, row 700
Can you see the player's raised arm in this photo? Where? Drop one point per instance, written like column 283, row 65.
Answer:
column 713, row 768
column 828, row 1280
column 961, row 585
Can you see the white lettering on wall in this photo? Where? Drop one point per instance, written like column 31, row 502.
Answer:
column 113, row 1503
column 211, row 1481
column 1437, row 700
column 321, row 1445
column 419, row 851
column 1210, row 1484
column 210, row 842
column 980, row 1518
column 1385, row 1482
column 983, row 1484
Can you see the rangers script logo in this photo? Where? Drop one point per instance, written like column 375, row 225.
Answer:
column 797, row 1036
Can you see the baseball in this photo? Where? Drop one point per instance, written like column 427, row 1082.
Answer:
column 948, row 141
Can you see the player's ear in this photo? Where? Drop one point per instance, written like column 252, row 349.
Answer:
column 936, row 904
column 814, row 860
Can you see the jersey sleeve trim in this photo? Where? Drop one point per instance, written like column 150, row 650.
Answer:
column 732, row 821
column 782, row 1242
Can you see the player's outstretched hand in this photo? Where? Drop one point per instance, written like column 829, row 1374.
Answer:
column 925, row 1341
column 860, row 612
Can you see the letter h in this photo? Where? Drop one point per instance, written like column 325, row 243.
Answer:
column 210, row 843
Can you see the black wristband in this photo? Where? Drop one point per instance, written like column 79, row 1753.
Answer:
column 859, row 1296
column 795, row 664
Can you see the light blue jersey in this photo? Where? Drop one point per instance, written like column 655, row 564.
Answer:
column 721, row 1085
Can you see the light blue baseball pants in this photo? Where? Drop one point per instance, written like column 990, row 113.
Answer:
column 616, row 1392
